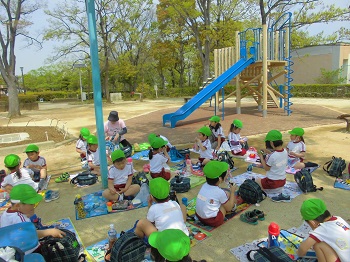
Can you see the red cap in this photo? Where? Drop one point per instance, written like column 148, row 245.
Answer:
column 274, row 229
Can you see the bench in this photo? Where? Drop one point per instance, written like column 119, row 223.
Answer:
column 345, row 117
column 187, row 98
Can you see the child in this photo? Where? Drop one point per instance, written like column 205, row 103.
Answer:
column 330, row 235
column 93, row 155
column 17, row 174
column 275, row 164
column 217, row 134
column 170, row 245
column 117, row 128
column 236, row 142
column 163, row 213
column 120, row 178
column 23, row 199
column 153, row 135
column 296, row 148
column 81, row 145
column 203, row 145
column 36, row 163
column 212, row 201
column 158, row 157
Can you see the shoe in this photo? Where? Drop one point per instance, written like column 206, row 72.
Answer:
column 63, row 178
column 259, row 214
column 249, row 217
column 51, row 195
column 281, row 198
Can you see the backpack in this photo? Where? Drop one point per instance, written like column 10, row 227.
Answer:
column 271, row 254
column 305, row 182
column 85, row 178
column 251, row 192
column 335, row 167
column 180, row 184
column 185, row 153
column 225, row 157
column 128, row 248
column 175, row 155
column 140, row 178
column 64, row 249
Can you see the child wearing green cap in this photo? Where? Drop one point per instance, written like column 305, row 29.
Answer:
column 81, row 145
column 330, row 235
column 23, row 199
column 17, row 174
column 203, row 146
column 36, row 163
column 158, row 157
column 93, row 155
column 275, row 165
column 119, row 178
column 212, row 201
column 237, row 143
column 296, row 148
column 217, row 133
column 163, row 213
column 154, row 135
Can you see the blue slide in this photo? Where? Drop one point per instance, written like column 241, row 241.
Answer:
column 206, row 93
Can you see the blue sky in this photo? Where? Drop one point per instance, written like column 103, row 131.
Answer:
column 31, row 58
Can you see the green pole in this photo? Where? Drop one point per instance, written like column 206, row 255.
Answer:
column 96, row 82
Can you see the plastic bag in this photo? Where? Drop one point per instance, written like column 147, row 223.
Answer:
column 143, row 194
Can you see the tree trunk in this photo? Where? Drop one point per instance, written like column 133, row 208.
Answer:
column 13, row 98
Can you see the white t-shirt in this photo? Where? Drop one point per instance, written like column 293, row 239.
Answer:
column 26, row 178
column 296, row 147
column 39, row 162
column 167, row 215
column 157, row 163
column 94, row 157
column 219, row 132
column 207, row 153
column 118, row 176
column 277, row 161
column 209, row 200
column 114, row 128
column 82, row 145
column 233, row 138
column 336, row 233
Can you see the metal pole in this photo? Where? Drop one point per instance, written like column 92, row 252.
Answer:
column 24, row 89
column 81, row 86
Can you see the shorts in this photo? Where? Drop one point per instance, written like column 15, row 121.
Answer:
column 222, row 139
column 163, row 174
column 267, row 183
column 118, row 187
column 201, row 159
column 213, row 221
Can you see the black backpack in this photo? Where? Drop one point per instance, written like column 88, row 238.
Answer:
column 85, row 178
column 335, row 167
column 128, row 248
column 180, row 184
column 271, row 254
column 251, row 192
column 140, row 178
column 225, row 157
column 64, row 249
column 305, row 182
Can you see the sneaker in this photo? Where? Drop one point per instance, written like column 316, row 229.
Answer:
column 249, row 217
column 51, row 195
column 281, row 198
column 63, row 178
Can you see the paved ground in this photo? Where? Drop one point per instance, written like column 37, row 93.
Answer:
column 324, row 134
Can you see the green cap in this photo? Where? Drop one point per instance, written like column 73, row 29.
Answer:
column 25, row 194
column 12, row 160
column 215, row 119
column 238, row 123
column 117, row 154
column 159, row 188
column 151, row 137
column 214, row 168
column 273, row 135
column 92, row 140
column 205, row 130
column 84, row 132
column 312, row 208
column 297, row 131
column 172, row 244
column 31, row 148
column 158, row 142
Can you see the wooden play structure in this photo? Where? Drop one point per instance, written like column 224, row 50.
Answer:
column 272, row 61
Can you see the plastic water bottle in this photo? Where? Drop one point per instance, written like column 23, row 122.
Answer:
column 112, row 235
column 250, row 168
column 274, row 232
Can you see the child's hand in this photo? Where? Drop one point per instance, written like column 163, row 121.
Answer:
column 54, row 232
column 113, row 191
column 233, row 188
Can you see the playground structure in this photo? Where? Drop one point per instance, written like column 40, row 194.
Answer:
column 264, row 56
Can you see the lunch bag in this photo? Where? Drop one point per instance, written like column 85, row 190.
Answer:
column 251, row 192
column 85, row 178
column 304, row 180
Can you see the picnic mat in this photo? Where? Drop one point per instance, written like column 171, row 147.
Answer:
column 241, row 251
column 94, row 204
column 97, row 251
column 191, row 210
column 142, row 155
column 290, row 188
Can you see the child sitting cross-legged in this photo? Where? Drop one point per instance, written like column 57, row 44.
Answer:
column 203, row 146
column 163, row 213
column 120, row 178
column 212, row 201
